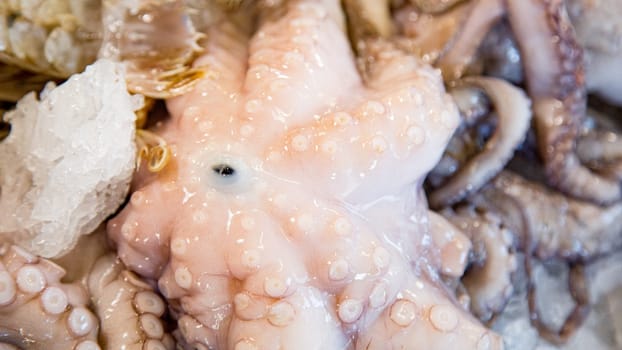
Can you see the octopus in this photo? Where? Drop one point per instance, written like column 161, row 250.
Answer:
column 555, row 83
column 459, row 38
column 288, row 175
column 278, row 171
column 485, row 50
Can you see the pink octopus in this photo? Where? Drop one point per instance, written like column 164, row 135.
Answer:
column 291, row 215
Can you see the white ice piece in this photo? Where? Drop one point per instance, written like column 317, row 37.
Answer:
column 68, row 160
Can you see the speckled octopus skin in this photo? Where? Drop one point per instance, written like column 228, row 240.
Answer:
column 291, row 215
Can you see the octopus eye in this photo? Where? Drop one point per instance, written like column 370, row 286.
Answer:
column 224, row 170
column 228, row 174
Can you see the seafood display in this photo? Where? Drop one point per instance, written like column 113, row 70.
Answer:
column 310, row 174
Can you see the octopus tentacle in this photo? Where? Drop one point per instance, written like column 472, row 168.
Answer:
column 282, row 65
column 37, row 311
column 463, row 47
column 514, row 115
column 385, row 125
column 589, row 230
column 149, row 258
column 225, row 69
column 489, row 278
column 453, row 244
column 556, row 84
column 579, row 292
column 602, row 152
column 419, row 312
column 599, row 146
column 284, row 324
column 129, row 309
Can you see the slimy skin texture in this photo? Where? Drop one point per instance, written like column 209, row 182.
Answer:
column 128, row 309
column 37, row 311
column 291, row 215
column 96, row 303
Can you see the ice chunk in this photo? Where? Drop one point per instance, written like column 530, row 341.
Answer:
column 68, row 161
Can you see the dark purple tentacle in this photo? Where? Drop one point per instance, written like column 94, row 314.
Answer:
column 553, row 63
column 579, row 293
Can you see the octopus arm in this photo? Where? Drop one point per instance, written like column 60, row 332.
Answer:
column 444, row 325
column 288, row 60
column 577, row 284
column 225, row 61
column 603, row 146
column 37, row 311
column 403, row 110
column 142, row 238
column 514, row 115
column 587, row 232
column 602, row 152
column 286, row 325
column 488, row 282
column 463, row 47
column 556, row 84
column 129, row 309
column 453, row 244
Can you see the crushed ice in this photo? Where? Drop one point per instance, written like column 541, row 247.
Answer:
column 68, row 161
